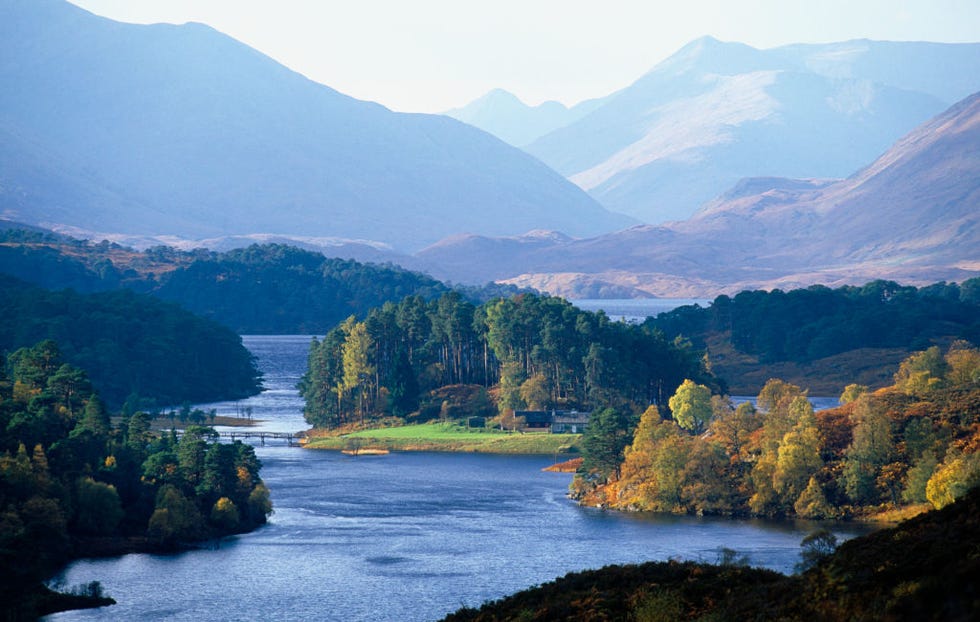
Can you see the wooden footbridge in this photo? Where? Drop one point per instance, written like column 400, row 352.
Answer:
column 291, row 438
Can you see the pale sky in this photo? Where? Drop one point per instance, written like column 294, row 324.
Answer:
column 432, row 55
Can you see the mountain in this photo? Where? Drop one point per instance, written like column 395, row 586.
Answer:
column 508, row 118
column 917, row 205
column 913, row 215
column 181, row 130
column 717, row 112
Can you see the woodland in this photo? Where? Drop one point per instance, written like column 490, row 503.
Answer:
column 806, row 324
column 913, row 443
column 448, row 358
column 135, row 348
column 75, row 483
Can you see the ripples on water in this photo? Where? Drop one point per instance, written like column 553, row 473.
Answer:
column 402, row 536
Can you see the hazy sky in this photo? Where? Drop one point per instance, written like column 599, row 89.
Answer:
column 431, row 55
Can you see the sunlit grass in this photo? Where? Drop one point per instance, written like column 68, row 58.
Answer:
column 452, row 437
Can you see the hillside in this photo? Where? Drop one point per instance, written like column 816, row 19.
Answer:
column 823, row 338
column 923, row 569
column 910, row 216
column 130, row 345
column 181, row 130
column 915, row 206
column 260, row 289
column 716, row 112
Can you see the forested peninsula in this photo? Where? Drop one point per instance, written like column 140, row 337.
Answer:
column 73, row 481
column 74, row 484
column 418, row 360
column 915, row 442
column 662, row 434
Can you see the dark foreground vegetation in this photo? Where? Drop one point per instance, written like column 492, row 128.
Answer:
column 73, row 484
column 131, row 345
column 923, row 569
column 262, row 289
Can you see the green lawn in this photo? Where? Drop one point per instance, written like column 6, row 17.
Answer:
column 452, row 437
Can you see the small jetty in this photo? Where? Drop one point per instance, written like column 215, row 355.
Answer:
column 365, row 451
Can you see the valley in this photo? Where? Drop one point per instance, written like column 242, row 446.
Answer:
column 690, row 293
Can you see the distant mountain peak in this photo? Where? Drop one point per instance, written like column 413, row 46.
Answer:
column 507, row 117
column 911, row 216
column 716, row 112
column 499, row 96
column 710, row 55
column 703, row 44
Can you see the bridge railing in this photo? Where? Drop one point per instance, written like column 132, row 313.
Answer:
column 290, row 437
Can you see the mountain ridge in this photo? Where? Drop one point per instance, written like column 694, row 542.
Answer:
column 504, row 115
column 911, row 215
column 715, row 112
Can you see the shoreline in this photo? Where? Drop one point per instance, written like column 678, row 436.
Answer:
column 44, row 600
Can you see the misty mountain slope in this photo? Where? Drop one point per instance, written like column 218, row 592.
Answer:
column 943, row 70
column 187, row 123
column 717, row 112
column 913, row 215
column 918, row 204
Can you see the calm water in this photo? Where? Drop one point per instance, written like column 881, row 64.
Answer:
column 400, row 537
column 636, row 309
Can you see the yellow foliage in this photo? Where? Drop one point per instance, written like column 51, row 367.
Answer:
column 958, row 474
column 812, row 503
column 964, row 366
column 24, row 392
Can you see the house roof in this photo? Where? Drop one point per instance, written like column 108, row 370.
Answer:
column 572, row 417
column 538, row 417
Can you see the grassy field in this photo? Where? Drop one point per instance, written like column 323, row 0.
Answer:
column 451, row 437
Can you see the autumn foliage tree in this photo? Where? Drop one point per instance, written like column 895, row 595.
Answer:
column 691, row 405
column 914, row 442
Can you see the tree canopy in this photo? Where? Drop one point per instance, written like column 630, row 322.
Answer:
column 260, row 289
column 807, row 324
column 129, row 344
column 67, row 475
column 528, row 350
column 885, row 448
